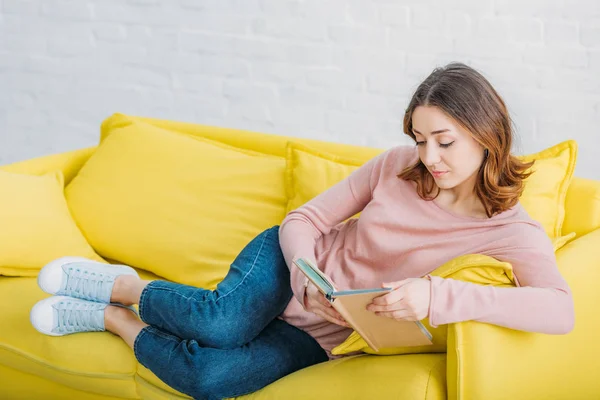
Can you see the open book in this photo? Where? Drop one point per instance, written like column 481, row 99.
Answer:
column 379, row 332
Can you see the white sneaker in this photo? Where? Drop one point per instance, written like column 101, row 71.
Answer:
column 81, row 278
column 62, row 315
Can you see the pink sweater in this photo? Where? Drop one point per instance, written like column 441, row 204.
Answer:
column 398, row 235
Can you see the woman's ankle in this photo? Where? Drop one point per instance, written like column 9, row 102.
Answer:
column 124, row 290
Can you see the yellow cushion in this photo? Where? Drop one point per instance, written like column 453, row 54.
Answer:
column 545, row 190
column 93, row 362
column 36, row 224
column 413, row 376
column 476, row 268
column 310, row 172
column 179, row 206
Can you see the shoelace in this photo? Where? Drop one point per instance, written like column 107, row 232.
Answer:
column 79, row 316
column 87, row 285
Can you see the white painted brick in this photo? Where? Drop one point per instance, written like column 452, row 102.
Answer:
column 573, row 81
column 59, row 46
column 594, row 57
column 352, row 36
column 389, row 84
column 306, row 54
column 493, row 29
column 419, row 41
column 207, row 85
column 369, row 59
column 394, row 15
column 426, row 17
column 280, row 73
column 250, row 92
column 333, row 77
column 75, row 9
column 590, row 35
column 200, row 20
column 110, row 32
column 228, row 6
column 457, row 23
column 18, row 44
column 530, row 8
column 306, row 117
column 560, row 32
column 526, row 30
column 296, row 96
column 483, row 49
column 23, row 7
column 247, row 110
column 376, row 105
column 361, row 12
column 152, row 14
column 123, row 52
column 275, row 66
column 555, row 56
column 289, row 28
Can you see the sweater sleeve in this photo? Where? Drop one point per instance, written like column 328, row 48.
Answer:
column 302, row 227
column 542, row 302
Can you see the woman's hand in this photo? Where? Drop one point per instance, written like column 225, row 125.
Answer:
column 409, row 300
column 316, row 303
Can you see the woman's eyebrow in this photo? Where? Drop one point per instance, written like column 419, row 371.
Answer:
column 434, row 132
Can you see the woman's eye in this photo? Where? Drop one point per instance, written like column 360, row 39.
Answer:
column 446, row 144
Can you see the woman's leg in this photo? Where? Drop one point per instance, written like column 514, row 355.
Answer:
column 209, row 373
column 255, row 291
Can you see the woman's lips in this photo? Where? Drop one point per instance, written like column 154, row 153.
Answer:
column 437, row 174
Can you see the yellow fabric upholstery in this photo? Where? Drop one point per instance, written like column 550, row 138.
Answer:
column 95, row 362
column 546, row 189
column 310, row 172
column 475, row 268
column 493, row 363
column 182, row 207
column 68, row 163
column 582, row 206
column 36, row 224
column 412, row 376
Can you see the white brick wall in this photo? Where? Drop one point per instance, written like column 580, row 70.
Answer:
column 340, row 70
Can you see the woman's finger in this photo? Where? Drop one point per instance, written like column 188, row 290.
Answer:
column 331, row 319
column 398, row 314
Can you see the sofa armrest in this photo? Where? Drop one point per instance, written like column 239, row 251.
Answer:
column 582, row 207
column 489, row 362
column 69, row 163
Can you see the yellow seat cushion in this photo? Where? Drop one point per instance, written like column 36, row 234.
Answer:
column 476, row 268
column 37, row 226
column 179, row 206
column 413, row 376
column 94, row 362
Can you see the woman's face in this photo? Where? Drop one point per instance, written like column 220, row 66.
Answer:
column 448, row 151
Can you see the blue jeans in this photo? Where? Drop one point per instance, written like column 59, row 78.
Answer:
column 227, row 342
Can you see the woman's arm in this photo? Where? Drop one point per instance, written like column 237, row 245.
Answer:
column 303, row 226
column 543, row 302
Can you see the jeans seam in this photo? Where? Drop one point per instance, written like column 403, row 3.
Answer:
column 136, row 340
column 247, row 273
column 143, row 295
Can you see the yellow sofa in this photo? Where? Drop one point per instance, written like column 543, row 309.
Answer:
column 481, row 362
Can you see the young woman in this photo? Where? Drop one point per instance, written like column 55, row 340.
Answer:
column 456, row 192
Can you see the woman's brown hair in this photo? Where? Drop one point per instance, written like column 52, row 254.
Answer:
column 468, row 98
